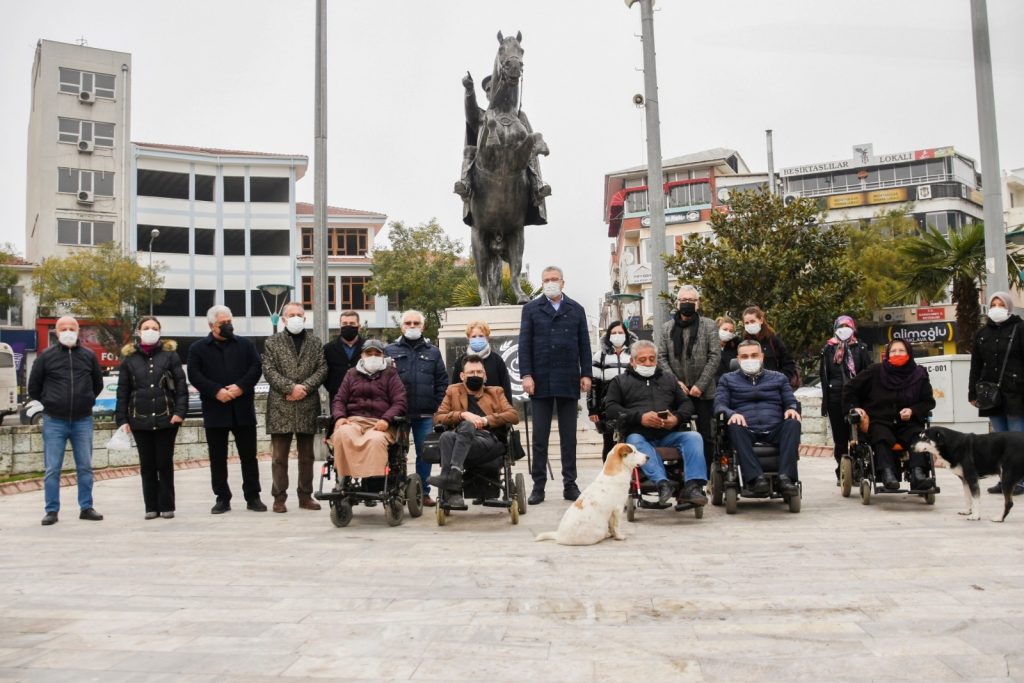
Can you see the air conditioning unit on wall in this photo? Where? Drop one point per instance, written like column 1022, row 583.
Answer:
column 86, row 146
column 85, row 197
column 86, row 96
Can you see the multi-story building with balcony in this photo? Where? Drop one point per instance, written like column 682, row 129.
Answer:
column 1013, row 203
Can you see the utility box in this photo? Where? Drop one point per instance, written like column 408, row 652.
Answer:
column 950, row 377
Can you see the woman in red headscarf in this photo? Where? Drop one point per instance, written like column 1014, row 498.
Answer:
column 896, row 397
column 841, row 359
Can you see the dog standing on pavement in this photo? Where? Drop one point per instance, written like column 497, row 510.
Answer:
column 972, row 456
column 596, row 514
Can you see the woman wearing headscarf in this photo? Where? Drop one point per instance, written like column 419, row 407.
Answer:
column 999, row 342
column 896, row 398
column 841, row 359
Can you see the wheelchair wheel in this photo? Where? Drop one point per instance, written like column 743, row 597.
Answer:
column 414, row 495
column 698, row 512
column 440, row 515
column 521, row 493
column 394, row 511
column 865, row 491
column 794, row 503
column 341, row 513
column 631, row 508
column 513, row 512
column 845, row 476
column 717, row 482
column 929, row 499
column 731, row 499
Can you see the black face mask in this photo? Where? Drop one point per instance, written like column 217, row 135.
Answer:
column 687, row 308
column 348, row 332
column 227, row 330
column 474, row 383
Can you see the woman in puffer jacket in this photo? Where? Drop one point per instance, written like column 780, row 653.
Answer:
column 612, row 361
column 152, row 399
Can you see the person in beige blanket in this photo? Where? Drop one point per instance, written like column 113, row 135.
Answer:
column 369, row 399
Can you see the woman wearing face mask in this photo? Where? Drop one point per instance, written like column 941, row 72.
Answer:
column 776, row 355
column 478, row 342
column 841, row 359
column 152, row 398
column 998, row 342
column 896, row 397
column 612, row 361
column 728, row 340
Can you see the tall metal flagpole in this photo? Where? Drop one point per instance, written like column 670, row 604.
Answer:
column 320, row 322
column 991, row 178
column 655, row 180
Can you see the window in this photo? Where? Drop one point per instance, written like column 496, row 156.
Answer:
column 204, row 242
column 234, row 242
column 203, row 299
column 12, row 315
column 73, row 81
column 636, row 202
column 175, row 303
column 234, row 189
column 694, row 194
column 340, row 242
column 353, row 292
column 270, row 242
column 161, row 184
column 307, row 293
column 943, row 221
column 268, row 190
column 169, row 241
column 74, row 131
column 204, row 188
column 84, row 233
column 307, row 242
column 235, row 300
column 75, row 180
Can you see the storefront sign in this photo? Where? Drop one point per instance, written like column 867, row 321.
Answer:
column 843, row 201
column 919, row 333
column 864, row 156
column 638, row 275
column 927, row 314
column 977, row 197
column 896, row 194
column 673, row 218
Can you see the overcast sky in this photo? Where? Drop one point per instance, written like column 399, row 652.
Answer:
column 239, row 74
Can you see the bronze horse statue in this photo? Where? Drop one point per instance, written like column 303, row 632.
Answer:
column 501, row 184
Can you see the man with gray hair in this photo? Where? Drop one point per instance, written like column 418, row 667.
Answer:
column 66, row 379
column 421, row 367
column 225, row 369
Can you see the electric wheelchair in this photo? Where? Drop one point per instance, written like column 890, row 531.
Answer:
column 727, row 479
column 857, row 467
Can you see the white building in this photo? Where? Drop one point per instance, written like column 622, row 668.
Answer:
column 1013, row 200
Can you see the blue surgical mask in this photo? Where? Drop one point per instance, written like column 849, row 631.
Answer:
column 478, row 344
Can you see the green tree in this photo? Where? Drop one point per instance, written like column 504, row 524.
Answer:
column 467, row 292
column 8, row 275
column 780, row 258
column 422, row 264
column 874, row 253
column 933, row 261
column 102, row 285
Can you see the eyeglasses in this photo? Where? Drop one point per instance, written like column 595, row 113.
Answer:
column 687, row 301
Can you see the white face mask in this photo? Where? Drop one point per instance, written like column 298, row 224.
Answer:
column 373, row 364
column 645, row 370
column 617, row 339
column 295, row 324
column 844, row 333
column 752, row 328
column 149, row 337
column 413, row 333
column 998, row 314
column 750, row 366
column 68, row 337
column 726, row 335
column 552, row 289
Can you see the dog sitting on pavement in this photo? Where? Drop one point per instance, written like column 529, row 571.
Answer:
column 596, row 514
column 972, row 456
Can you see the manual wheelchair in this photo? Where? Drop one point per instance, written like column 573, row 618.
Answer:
column 857, row 466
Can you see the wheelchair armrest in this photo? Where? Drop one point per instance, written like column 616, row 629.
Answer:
column 324, row 423
column 400, row 421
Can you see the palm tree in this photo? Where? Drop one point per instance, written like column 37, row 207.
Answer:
column 933, row 260
column 467, row 292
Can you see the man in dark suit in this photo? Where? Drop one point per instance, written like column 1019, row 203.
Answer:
column 555, row 364
column 343, row 353
column 225, row 369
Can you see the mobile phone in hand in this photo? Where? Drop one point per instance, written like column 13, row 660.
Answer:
column 663, row 414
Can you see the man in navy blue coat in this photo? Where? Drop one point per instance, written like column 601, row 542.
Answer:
column 555, row 364
column 225, row 369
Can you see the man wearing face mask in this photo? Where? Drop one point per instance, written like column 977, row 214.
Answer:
column 760, row 404
column 690, row 349
column 225, row 369
column 556, row 366
column 343, row 353
column 294, row 365
column 476, row 416
column 66, row 379
column 421, row 367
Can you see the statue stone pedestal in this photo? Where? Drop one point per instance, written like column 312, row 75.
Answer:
column 504, row 323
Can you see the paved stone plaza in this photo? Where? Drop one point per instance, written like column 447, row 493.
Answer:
column 894, row 591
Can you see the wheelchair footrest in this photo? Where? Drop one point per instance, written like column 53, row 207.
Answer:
column 683, row 507
column 329, row 495
column 747, row 493
column 496, row 503
column 458, row 508
column 651, row 505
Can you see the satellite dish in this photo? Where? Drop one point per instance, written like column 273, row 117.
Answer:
column 628, row 258
column 723, row 195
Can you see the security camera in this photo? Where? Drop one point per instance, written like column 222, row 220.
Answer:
column 638, row 100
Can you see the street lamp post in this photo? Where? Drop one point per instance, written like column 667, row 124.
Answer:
column 153, row 234
column 275, row 291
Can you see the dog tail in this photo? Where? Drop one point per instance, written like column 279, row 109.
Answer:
column 547, row 536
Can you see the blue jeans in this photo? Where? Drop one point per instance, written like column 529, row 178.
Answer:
column 1007, row 423
column 420, row 427
column 56, row 434
column 690, row 444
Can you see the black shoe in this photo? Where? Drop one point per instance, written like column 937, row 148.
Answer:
column 665, row 491
column 889, row 480
column 786, row 486
column 838, row 482
column 91, row 515
column 1018, row 489
column 49, row 518
column 998, row 488
column 220, row 507
column 759, row 486
column 919, row 479
column 454, row 499
column 693, row 492
column 256, row 505
column 536, row 496
column 571, row 491
column 449, row 482
column 370, row 503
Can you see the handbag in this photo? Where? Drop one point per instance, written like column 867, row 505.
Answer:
column 989, row 395
column 515, row 443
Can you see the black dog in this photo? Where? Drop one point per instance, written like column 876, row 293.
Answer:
column 971, row 456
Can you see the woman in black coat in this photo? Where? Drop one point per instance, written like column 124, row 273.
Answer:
column 841, row 359
column 992, row 347
column 612, row 361
column 896, row 397
column 478, row 340
column 152, row 398
column 776, row 355
column 729, row 341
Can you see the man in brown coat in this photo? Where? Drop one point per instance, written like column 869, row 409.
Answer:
column 479, row 415
column 294, row 365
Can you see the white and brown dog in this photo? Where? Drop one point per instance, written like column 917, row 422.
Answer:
column 596, row 513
